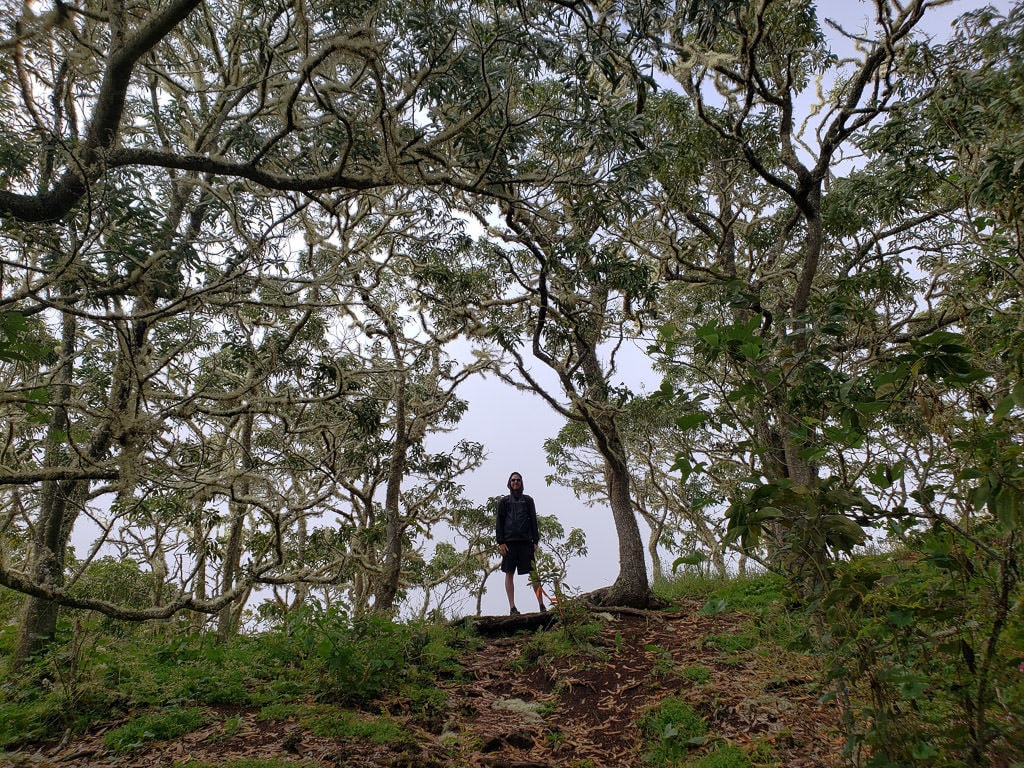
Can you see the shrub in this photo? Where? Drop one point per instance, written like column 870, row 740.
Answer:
column 672, row 729
column 922, row 649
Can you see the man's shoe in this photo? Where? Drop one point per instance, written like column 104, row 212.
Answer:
column 513, row 612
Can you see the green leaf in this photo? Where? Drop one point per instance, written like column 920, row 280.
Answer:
column 766, row 513
column 924, row 751
column 750, row 350
column 913, row 688
column 1005, row 505
column 871, row 407
column 900, row 618
column 1003, row 408
column 694, row 558
column 813, row 454
column 845, row 533
column 981, row 494
column 691, row 420
column 880, row 476
column 714, row 607
column 1018, row 393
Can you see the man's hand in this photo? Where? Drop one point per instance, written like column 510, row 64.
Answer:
column 503, row 548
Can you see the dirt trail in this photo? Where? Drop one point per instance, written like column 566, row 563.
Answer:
column 575, row 711
column 595, row 702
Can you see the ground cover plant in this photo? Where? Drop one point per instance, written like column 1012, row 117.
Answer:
column 733, row 672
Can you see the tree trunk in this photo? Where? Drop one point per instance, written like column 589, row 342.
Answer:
column 227, row 622
column 631, row 587
column 302, row 588
column 38, row 622
column 391, row 570
column 657, row 570
column 59, row 501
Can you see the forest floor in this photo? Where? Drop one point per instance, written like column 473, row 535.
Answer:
column 581, row 710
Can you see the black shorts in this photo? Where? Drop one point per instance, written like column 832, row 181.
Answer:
column 519, row 557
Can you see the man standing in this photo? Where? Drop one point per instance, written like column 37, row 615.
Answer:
column 518, row 535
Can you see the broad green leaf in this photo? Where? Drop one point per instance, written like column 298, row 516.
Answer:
column 1018, row 393
column 900, row 618
column 693, row 558
column 1005, row 505
column 690, row 420
column 1003, row 408
column 766, row 513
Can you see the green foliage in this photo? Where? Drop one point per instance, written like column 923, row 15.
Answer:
column 178, row 668
column 569, row 637
column 696, row 673
column 755, row 593
column 725, row 756
column 26, row 719
column 25, row 339
column 356, row 660
column 57, row 691
column 664, row 664
column 98, row 672
column 730, row 642
column 156, row 726
column 923, row 639
column 118, row 581
column 671, row 731
column 348, row 726
column 815, row 522
column 340, row 724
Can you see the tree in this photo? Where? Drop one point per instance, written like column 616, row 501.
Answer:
column 954, row 404
column 778, row 281
column 890, row 404
column 211, row 114
column 673, row 507
column 310, row 97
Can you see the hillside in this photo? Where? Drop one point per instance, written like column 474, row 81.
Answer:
column 533, row 699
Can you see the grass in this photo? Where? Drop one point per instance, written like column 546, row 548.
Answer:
column 162, row 672
column 156, row 726
column 730, row 643
column 762, row 597
column 344, row 725
column 671, row 731
column 725, row 756
column 570, row 637
column 341, row 724
column 695, row 673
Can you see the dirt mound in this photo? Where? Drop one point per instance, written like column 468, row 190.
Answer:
column 518, row 706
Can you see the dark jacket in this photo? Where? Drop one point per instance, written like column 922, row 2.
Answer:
column 517, row 519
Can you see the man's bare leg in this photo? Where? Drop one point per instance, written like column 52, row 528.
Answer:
column 537, row 590
column 510, row 590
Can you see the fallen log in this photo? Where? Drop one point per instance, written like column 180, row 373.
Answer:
column 500, row 626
